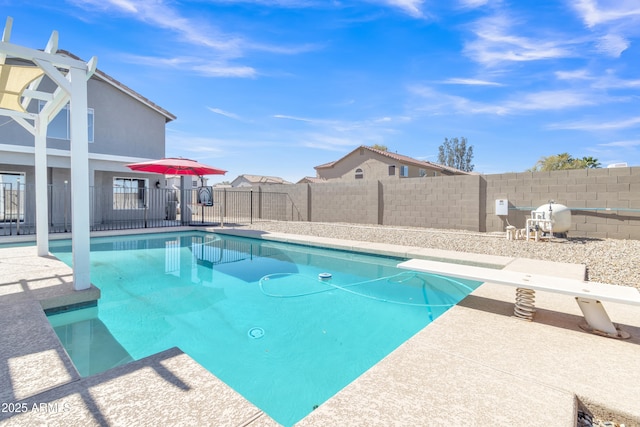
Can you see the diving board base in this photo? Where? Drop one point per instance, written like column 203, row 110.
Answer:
column 597, row 321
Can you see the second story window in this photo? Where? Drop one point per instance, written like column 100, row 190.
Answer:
column 404, row 171
column 59, row 127
column 359, row 173
column 392, row 170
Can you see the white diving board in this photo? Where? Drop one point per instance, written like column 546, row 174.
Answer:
column 588, row 294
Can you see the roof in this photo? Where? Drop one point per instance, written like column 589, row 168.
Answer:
column 312, row 180
column 401, row 158
column 261, row 179
column 127, row 90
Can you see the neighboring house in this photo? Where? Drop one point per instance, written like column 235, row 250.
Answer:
column 369, row 163
column 251, row 180
column 311, row 180
column 124, row 127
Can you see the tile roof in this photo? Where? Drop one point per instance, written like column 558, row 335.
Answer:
column 401, row 158
column 261, row 179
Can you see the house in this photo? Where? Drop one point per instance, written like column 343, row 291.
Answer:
column 123, row 126
column 370, row 163
column 311, row 180
column 251, row 180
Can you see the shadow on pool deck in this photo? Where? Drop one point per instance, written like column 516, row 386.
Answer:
column 475, row 365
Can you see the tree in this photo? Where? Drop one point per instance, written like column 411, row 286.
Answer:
column 379, row 147
column 455, row 153
column 564, row 161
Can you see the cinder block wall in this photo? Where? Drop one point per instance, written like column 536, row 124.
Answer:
column 352, row 202
column 605, row 203
column 437, row 202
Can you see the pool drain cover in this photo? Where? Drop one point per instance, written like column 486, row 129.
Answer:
column 255, row 333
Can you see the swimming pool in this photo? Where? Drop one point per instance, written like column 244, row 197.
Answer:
column 259, row 315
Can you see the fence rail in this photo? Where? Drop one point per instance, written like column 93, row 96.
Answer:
column 121, row 208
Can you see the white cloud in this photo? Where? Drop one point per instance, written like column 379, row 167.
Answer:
column 472, row 4
column 410, row 7
column 220, row 68
column 573, row 75
column 594, row 126
column 622, row 144
column 224, row 113
column 594, row 13
column 443, row 103
column 612, row 45
column 470, row 82
column 552, row 100
column 496, row 42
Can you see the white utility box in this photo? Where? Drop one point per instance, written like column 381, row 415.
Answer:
column 502, row 207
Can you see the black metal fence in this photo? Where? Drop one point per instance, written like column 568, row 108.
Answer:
column 118, row 208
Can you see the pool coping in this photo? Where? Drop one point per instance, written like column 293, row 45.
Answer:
column 489, row 346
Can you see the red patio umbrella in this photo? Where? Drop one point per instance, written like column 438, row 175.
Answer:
column 176, row 166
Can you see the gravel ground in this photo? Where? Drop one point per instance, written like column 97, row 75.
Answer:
column 607, row 260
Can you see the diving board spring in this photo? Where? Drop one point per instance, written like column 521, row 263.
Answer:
column 525, row 300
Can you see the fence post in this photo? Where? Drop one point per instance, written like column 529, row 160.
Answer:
column 18, row 209
column 251, row 206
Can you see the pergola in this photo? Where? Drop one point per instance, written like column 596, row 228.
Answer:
column 18, row 87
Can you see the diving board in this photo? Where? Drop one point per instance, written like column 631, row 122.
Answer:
column 588, row 294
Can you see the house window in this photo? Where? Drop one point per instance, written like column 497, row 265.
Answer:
column 404, row 171
column 392, row 170
column 359, row 174
column 129, row 193
column 423, row 172
column 59, row 127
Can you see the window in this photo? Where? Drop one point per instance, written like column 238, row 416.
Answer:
column 129, row 193
column 359, row 174
column 59, row 126
column 404, row 171
column 423, row 172
column 392, row 170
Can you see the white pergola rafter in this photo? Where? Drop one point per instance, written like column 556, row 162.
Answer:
column 72, row 89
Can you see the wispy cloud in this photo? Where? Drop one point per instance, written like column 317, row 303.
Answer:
column 496, row 42
column 472, row 4
column 594, row 13
column 335, row 135
column 552, row 100
column 219, row 68
column 592, row 125
column 197, row 32
column 441, row 103
column 470, row 82
column 612, row 45
column 410, row 7
column 224, row 113
column 622, row 144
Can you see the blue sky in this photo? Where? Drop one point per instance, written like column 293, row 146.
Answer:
column 276, row 87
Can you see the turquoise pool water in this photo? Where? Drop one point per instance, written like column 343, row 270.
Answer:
column 256, row 314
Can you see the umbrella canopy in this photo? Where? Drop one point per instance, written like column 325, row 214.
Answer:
column 176, row 166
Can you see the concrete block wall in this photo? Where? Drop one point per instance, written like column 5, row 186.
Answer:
column 352, row 202
column 436, row 202
column 605, row 203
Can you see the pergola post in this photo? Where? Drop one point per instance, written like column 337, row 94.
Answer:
column 42, row 202
column 80, row 201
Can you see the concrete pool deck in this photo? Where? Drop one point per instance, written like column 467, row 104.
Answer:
column 475, row 365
